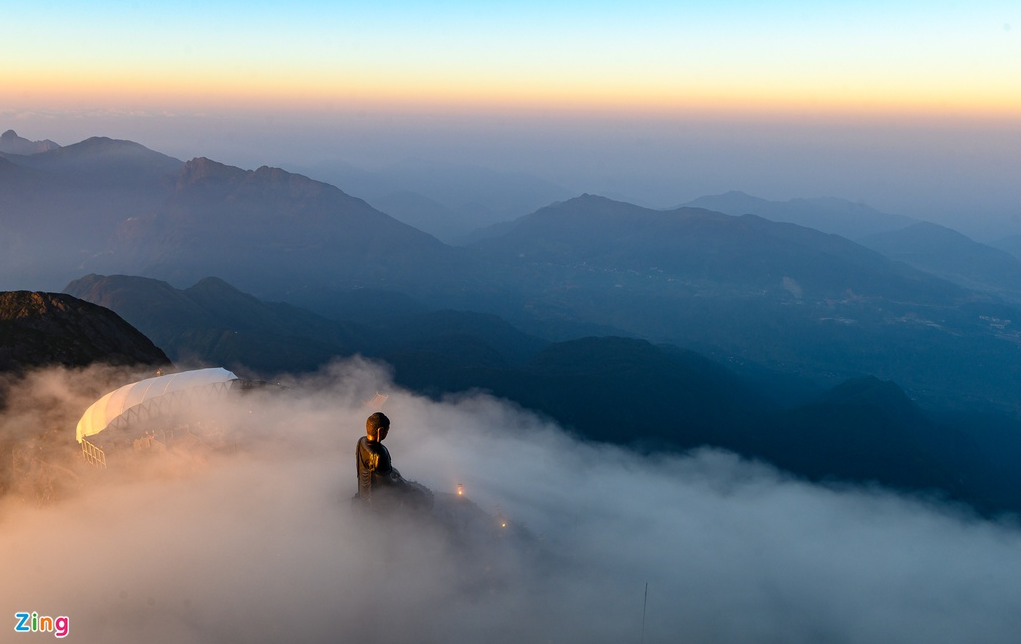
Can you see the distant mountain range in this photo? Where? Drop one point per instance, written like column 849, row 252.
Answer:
column 278, row 234
column 588, row 237
column 949, row 254
column 747, row 289
column 117, row 207
column 838, row 216
column 584, row 309
column 59, row 208
column 742, row 289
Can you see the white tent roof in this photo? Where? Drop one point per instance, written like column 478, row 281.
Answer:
column 113, row 405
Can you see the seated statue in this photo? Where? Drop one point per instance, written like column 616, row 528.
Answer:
column 380, row 485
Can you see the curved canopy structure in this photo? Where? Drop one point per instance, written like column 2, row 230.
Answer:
column 152, row 397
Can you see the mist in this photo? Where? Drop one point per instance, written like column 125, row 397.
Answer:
column 262, row 545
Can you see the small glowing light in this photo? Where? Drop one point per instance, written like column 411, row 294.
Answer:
column 503, row 524
column 460, row 489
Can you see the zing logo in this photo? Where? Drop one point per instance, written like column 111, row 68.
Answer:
column 33, row 623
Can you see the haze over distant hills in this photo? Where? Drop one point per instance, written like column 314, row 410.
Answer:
column 447, row 201
column 746, row 290
column 59, row 207
column 115, row 206
column 952, row 256
column 838, row 216
column 275, row 233
column 754, row 293
column 1011, row 244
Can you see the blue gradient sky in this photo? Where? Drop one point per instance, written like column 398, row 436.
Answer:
column 876, row 91
column 645, row 55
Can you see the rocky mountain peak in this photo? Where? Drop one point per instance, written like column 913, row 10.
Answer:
column 11, row 143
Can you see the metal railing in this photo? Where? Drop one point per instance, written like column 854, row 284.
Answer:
column 93, row 454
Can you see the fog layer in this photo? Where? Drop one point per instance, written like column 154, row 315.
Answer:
column 261, row 544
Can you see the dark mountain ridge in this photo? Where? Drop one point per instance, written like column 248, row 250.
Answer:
column 699, row 244
column 867, row 429
column 42, row 329
column 213, row 323
column 216, row 323
column 746, row 289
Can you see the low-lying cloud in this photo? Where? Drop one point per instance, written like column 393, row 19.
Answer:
column 260, row 544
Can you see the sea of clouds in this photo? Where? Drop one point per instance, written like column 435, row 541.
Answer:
column 259, row 543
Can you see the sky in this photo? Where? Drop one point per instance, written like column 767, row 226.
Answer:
column 912, row 107
column 260, row 543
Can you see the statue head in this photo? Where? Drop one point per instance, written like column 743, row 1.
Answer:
column 377, row 426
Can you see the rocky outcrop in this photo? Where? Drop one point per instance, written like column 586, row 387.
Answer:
column 42, row 329
column 11, row 143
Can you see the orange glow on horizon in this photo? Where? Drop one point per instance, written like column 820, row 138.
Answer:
column 247, row 89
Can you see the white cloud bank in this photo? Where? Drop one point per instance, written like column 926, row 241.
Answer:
column 262, row 545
